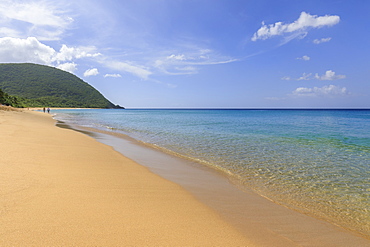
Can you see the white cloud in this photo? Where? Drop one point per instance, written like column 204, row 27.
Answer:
column 188, row 69
column 30, row 50
column 25, row 50
column 325, row 91
column 136, row 70
column 304, row 22
column 189, row 63
column 286, row 78
column 8, row 32
column 176, row 65
column 91, row 72
column 69, row 67
column 43, row 13
column 69, row 53
column 46, row 20
column 305, row 58
column 305, row 77
column 319, row 41
column 113, row 75
column 177, row 57
column 329, row 76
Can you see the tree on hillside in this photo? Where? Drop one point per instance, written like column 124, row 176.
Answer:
column 6, row 99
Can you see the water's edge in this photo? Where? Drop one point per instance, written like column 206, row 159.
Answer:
column 215, row 190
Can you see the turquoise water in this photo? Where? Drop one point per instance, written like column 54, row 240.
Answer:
column 315, row 161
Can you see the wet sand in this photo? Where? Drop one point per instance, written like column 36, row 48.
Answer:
column 59, row 187
column 63, row 188
column 262, row 221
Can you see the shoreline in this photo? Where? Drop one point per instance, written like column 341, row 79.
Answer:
column 67, row 188
column 60, row 187
column 214, row 189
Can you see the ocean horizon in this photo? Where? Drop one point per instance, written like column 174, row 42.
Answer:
column 315, row 161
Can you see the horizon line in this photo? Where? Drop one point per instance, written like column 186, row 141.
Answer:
column 250, row 108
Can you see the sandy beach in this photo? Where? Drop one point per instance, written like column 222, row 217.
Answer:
column 62, row 188
column 59, row 187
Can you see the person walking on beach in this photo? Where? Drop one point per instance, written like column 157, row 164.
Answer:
column 44, row 109
column 48, row 110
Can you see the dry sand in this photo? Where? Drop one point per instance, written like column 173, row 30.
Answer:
column 59, row 187
column 62, row 188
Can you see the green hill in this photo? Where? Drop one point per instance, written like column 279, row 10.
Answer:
column 36, row 85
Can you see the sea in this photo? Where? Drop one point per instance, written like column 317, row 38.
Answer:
column 315, row 161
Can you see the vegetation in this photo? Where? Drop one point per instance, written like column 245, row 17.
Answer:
column 32, row 85
column 8, row 100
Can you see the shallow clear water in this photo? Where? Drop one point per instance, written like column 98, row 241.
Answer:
column 316, row 161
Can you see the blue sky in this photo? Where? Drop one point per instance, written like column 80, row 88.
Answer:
column 200, row 53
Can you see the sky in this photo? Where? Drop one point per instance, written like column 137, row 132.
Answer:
column 200, row 53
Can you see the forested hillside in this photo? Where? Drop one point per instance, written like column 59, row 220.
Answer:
column 6, row 99
column 36, row 85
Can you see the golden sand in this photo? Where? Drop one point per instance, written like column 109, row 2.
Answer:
column 62, row 188
column 59, row 187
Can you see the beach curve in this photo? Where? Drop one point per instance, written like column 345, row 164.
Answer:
column 60, row 187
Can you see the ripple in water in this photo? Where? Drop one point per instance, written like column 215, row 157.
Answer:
column 315, row 161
